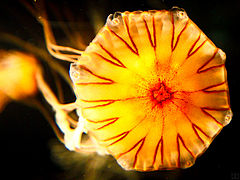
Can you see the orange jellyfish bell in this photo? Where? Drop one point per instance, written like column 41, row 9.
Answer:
column 151, row 90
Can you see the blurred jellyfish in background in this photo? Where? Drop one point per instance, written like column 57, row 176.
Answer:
column 17, row 76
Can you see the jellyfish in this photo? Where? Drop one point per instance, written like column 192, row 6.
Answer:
column 18, row 81
column 151, row 90
column 17, row 76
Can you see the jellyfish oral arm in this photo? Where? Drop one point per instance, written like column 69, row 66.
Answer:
column 59, row 52
column 72, row 136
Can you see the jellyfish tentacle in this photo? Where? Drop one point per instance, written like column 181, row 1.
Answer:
column 60, row 52
column 72, row 136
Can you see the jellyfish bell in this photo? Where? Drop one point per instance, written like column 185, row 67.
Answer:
column 151, row 90
column 17, row 76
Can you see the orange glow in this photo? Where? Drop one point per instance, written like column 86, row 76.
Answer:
column 17, row 75
column 3, row 101
column 151, row 90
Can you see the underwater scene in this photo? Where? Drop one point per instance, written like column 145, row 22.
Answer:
column 134, row 90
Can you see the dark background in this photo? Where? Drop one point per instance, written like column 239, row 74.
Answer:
column 24, row 147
